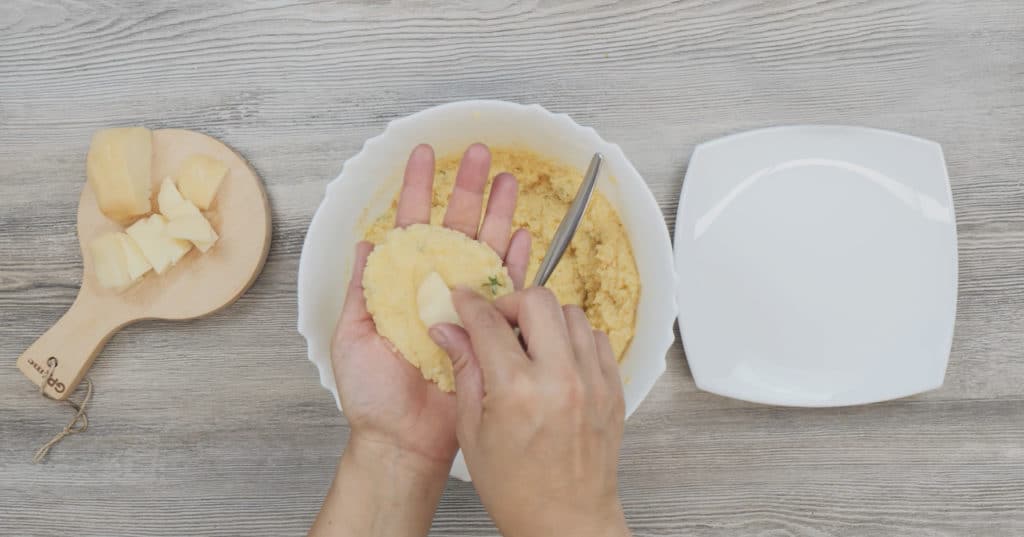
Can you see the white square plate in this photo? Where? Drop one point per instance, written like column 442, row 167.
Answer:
column 817, row 265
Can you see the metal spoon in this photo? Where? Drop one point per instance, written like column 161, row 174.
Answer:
column 567, row 228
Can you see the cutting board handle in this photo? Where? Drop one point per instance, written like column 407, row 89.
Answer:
column 69, row 348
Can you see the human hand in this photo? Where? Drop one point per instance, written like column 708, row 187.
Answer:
column 540, row 427
column 385, row 399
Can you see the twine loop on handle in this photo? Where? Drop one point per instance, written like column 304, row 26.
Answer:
column 78, row 424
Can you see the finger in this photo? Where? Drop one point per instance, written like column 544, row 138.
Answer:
column 581, row 336
column 607, row 362
column 541, row 325
column 354, row 309
column 495, row 344
column 508, row 307
column 468, row 195
column 517, row 260
column 469, row 382
column 417, row 188
column 501, row 205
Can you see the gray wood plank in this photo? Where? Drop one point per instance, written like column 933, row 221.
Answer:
column 218, row 426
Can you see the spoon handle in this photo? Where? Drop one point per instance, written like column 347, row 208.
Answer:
column 566, row 229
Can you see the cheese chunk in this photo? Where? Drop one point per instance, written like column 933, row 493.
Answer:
column 117, row 260
column 109, row 261
column 170, row 202
column 136, row 263
column 184, row 219
column 118, row 170
column 160, row 250
column 195, row 228
column 198, row 179
column 434, row 300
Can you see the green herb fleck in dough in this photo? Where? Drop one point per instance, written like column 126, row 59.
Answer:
column 493, row 283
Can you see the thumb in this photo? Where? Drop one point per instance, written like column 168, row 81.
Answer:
column 469, row 382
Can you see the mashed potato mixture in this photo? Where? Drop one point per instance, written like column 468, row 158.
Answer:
column 597, row 272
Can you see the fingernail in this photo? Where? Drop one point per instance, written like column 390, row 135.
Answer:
column 438, row 336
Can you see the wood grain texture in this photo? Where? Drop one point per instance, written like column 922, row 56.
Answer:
column 218, row 426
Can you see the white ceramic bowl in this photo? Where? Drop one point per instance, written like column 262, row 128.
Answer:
column 369, row 181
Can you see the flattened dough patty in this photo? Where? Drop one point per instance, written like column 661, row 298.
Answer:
column 396, row 268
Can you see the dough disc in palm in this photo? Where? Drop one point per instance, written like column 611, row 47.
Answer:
column 398, row 266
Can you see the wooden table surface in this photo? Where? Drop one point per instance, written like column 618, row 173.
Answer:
column 219, row 427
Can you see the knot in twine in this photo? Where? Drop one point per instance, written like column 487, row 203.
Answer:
column 78, row 424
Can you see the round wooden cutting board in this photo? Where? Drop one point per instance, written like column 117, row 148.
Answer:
column 199, row 284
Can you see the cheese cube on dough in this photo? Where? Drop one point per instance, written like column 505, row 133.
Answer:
column 434, row 300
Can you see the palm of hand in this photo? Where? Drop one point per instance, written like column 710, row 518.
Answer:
column 388, row 398
column 384, row 397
